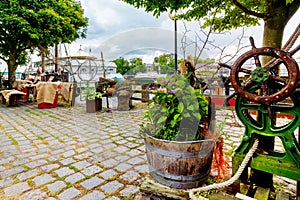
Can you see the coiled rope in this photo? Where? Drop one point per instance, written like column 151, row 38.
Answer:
column 231, row 180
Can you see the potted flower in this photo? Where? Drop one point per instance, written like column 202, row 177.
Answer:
column 179, row 116
column 93, row 99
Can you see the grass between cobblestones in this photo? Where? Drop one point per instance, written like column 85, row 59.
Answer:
column 70, row 133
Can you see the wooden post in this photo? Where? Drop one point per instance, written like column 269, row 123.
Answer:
column 55, row 59
column 103, row 67
column 145, row 93
column 43, row 62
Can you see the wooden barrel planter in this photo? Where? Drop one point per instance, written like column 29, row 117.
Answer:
column 91, row 106
column 181, row 165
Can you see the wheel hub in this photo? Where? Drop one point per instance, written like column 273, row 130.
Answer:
column 260, row 75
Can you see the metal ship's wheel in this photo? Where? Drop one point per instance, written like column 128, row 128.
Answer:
column 271, row 87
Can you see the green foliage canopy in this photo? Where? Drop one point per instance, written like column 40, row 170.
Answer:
column 131, row 67
column 29, row 24
column 164, row 63
column 222, row 14
column 228, row 14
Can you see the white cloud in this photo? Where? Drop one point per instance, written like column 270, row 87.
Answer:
column 116, row 28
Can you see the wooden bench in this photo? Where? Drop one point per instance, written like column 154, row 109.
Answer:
column 11, row 97
column 126, row 96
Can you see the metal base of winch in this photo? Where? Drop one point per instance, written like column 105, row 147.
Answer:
column 270, row 164
column 287, row 163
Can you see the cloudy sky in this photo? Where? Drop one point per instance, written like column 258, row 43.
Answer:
column 119, row 30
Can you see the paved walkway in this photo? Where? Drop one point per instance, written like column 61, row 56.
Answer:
column 66, row 153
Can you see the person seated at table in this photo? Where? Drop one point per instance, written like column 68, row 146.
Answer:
column 37, row 77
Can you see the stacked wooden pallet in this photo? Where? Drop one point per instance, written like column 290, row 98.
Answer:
column 150, row 187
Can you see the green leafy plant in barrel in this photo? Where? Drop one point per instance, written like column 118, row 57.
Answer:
column 178, row 111
column 90, row 93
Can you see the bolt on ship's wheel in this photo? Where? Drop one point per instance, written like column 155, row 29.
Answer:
column 271, row 87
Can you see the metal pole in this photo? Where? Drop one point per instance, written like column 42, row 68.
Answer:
column 176, row 64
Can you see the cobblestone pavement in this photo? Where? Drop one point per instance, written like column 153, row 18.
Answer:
column 66, row 153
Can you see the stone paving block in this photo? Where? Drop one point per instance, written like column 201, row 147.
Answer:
column 92, row 170
column 39, row 156
column 130, row 176
column 67, row 161
column 123, row 141
column 43, row 179
column 5, row 143
column 50, row 167
column 69, row 153
column 123, row 167
column 58, row 151
column 69, row 194
column 83, row 155
column 110, row 145
column 2, row 168
column 93, row 146
column 108, row 154
column 135, row 160
column 65, row 171
column 92, row 182
column 108, row 174
column 112, row 186
column 56, row 186
column 10, row 152
column 33, row 195
column 132, row 145
column 20, row 161
column 81, row 164
column 53, row 158
column 11, row 172
column 95, row 195
column 6, row 182
column 36, row 163
column 142, row 168
column 50, row 198
column 74, row 177
column 26, row 147
column 28, row 174
column 121, row 149
column 129, row 190
column 16, row 188
column 113, row 198
column 109, row 163
column 97, row 150
column 80, row 150
column 122, row 158
column 133, row 152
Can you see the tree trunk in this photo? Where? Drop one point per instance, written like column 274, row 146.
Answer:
column 12, row 67
column 274, row 25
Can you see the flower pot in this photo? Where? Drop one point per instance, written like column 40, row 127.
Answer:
column 91, row 106
column 177, row 164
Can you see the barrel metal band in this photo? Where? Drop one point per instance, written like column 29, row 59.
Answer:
column 177, row 154
column 176, row 184
column 180, row 177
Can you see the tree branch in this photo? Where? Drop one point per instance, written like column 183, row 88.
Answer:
column 1, row 57
column 246, row 10
column 292, row 9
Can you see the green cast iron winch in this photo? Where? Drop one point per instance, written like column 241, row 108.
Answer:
column 262, row 97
